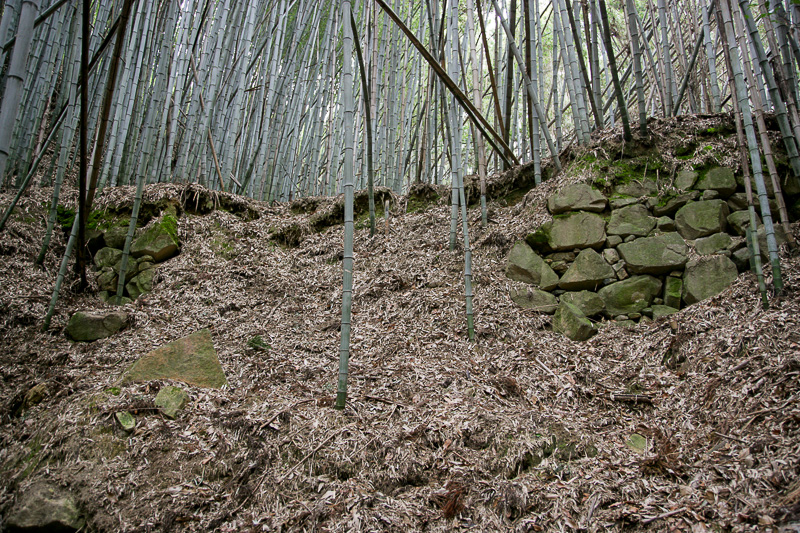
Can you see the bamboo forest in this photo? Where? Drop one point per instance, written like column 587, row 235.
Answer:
column 393, row 265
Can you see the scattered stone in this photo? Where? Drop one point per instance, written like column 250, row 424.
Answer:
column 710, row 195
column 87, row 327
column 698, row 219
column 526, row 266
column 712, row 244
column 107, row 257
column 631, row 295
column 637, row 443
column 621, row 318
column 44, row 507
column 126, row 420
column 663, row 310
column 665, row 224
column 673, row 292
column 587, row 272
column 142, row 283
column 655, row 255
column 559, row 267
column 191, row 359
column 577, row 197
column 588, row 302
column 707, row 277
column 671, row 205
column 572, row 323
column 577, row 230
column 535, row 299
column 563, row 256
column 33, row 397
column 160, row 240
column 610, row 255
column 685, row 179
column 171, row 400
column 110, row 297
column 613, row 241
column 720, row 179
column 738, row 201
column 631, row 220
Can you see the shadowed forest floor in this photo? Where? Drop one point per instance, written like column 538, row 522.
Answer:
column 519, row 431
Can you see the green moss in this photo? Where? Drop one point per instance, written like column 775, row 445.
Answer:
column 416, row 204
column 65, row 217
column 113, row 391
column 539, row 238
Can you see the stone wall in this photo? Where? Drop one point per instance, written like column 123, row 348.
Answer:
column 634, row 254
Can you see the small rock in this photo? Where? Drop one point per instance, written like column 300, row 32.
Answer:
column 87, row 327
column 619, row 203
column 631, row 295
column 107, row 257
column 613, row 241
column 126, row 420
column 663, row 310
column 637, row 443
column 673, row 292
column 671, row 205
column 171, row 400
column 710, row 195
column 610, row 255
column 629, row 238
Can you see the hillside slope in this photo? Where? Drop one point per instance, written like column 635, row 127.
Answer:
column 522, row 430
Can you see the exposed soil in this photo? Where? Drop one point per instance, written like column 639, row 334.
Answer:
column 522, row 430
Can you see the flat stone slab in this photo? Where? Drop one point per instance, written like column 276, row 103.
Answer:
column 655, row 255
column 88, row 327
column 534, row 299
column 577, row 197
column 192, row 360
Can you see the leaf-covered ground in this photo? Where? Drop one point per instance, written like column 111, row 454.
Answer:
column 522, row 430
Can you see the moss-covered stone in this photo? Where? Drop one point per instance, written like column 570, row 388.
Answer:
column 739, row 221
column 655, row 255
column 87, row 327
column 698, row 219
column 588, row 302
column 535, row 299
column 673, row 292
column 712, row 244
column 631, row 295
column 577, row 197
column 115, row 236
column 192, row 360
column 526, row 266
column 44, row 507
column 107, row 257
column 171, row 400
column 632, row 220
column 160, row 240
column 685, row 179
column 669, row 205
column 587, row 272
column 577, row 230
column 539, row 240
column 720, row 179
column 572, row 323
column 708, row 277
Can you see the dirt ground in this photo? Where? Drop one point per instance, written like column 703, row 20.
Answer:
column 522, row 430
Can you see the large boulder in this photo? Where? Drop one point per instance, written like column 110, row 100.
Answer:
column 632, row 220
column 588, row 302
column 572, row 323
column 587, row 272
column 192, row 360
column 577, row 230
column 526, row 266
column 160, row 240
column 87, row 327
column 707, row 277
column 631, row 295
column 655, row 255
column 535, row 299
column 577, row 197
column 720, row 179
column 44, row 507
column 698, row 219
column 780, row 239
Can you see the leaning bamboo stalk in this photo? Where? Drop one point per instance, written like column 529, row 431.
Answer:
column 623, row 110
column 637, row 66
